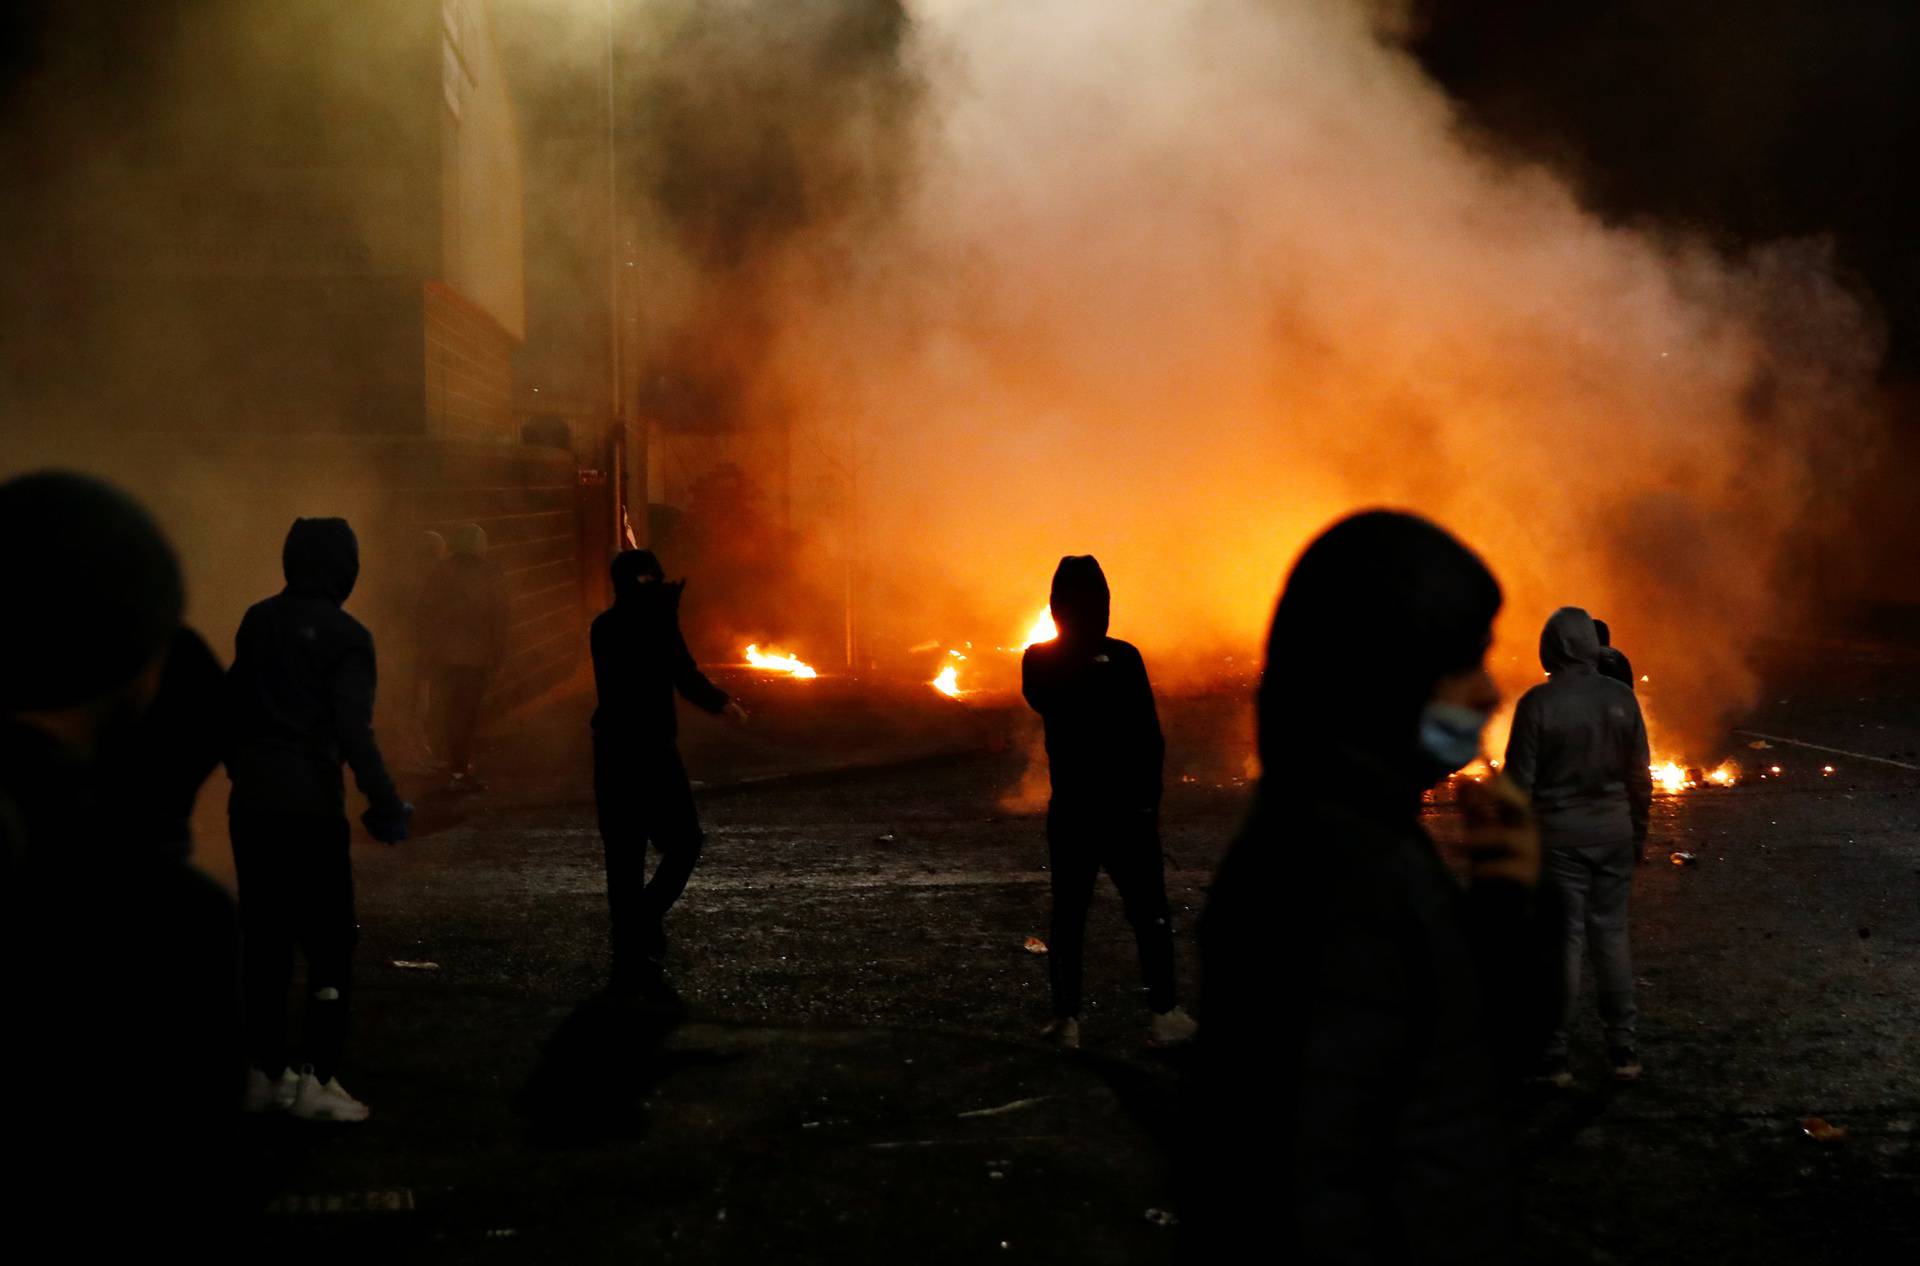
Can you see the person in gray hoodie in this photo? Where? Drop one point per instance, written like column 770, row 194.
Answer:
column 1579, row 749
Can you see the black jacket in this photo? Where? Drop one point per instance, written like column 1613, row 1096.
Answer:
column 1579, row 744
column 117, row 953
column 173, row 748
column 1104, row 745
column 1615, row 664
column 639, row 660
column 301, row 687
column 1360, row 1014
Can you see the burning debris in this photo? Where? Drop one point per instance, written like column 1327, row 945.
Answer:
column 777, row 661
column 947, row 680
column 1674, row 778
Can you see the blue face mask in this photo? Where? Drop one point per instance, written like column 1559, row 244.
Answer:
column 1450, row 734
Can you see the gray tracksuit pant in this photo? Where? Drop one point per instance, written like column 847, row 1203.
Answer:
column 1593, row 883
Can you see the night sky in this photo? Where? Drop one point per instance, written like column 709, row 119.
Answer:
column 1743, row 122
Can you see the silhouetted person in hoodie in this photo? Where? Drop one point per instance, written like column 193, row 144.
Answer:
column 1105, row 753
column 302, row 686
column 640, row 784
column 1612, row 662
column 120, row 967
column 1579, row 747
column 1365, row 1004
column 466, row 603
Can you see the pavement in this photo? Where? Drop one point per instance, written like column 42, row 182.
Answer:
column 855, row 1074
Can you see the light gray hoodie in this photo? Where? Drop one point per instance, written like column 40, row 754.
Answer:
column 1579, row 744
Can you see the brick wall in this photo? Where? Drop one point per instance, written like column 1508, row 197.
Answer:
column 469, row 377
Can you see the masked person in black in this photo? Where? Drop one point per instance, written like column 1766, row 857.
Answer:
column 1365, row 1003
column 120, row 967
column 1104, row 752
column 301, row 688
column 640, row 785
column 1612, row 662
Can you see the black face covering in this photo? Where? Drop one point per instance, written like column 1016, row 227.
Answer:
column 1080, row 601
column 632, row 569
column 322, row 558
column 1376, row 611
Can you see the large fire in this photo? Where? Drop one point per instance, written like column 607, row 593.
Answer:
column 948, row 682
column 777, row 661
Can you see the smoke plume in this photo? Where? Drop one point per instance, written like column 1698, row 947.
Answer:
column 1179, row 283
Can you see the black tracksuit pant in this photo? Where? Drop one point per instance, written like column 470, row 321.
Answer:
column 459, row 699
column 295, row 878
column 643, row 796
column 1081, row 842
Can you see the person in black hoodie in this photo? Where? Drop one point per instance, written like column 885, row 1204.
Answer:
column 640, row 785
column 302, row 686
column 1613, row 662
column 120, row 965
column 1105, row 753
column 1366, row 1004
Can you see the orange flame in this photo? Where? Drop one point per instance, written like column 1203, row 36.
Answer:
column 948, row 682
column 779, row 662
column 1041, row 630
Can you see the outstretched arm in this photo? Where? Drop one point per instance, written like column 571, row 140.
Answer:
column 691, row 682
column 1146, row 719
column 353, row 687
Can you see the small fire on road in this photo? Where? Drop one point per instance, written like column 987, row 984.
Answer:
column 777, row 661
column 947, row 680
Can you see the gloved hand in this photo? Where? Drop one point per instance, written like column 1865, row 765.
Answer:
column 389, row 826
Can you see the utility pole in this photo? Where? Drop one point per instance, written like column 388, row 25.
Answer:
column 633, row 463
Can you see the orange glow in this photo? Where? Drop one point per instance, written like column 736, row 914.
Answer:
column 1041, row 630
column 948, row 682
column 1670, row 778
column 779, row 662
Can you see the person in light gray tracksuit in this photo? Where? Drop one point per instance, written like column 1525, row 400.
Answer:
column 1579, row 749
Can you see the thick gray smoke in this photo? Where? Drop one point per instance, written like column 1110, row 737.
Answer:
column 1179, row 282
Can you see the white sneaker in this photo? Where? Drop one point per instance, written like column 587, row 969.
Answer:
column 269, row 1094
column 329, row 1102
column 1172, row 1028
column 1064, row 1034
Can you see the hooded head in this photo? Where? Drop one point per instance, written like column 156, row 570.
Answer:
column 1080, row 600
column 92, row 587
column 469, row 541
column 321, row 558
column 632, row 570
column 1569, row 641
column 1601, row 631
column 1378, row 610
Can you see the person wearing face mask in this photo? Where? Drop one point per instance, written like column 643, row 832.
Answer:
column 640, row 786
column 1367, row 1002
column 120, row 965
column 301, row 690
column 1579, row 749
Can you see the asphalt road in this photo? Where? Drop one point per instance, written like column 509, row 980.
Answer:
column 857, row 1077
